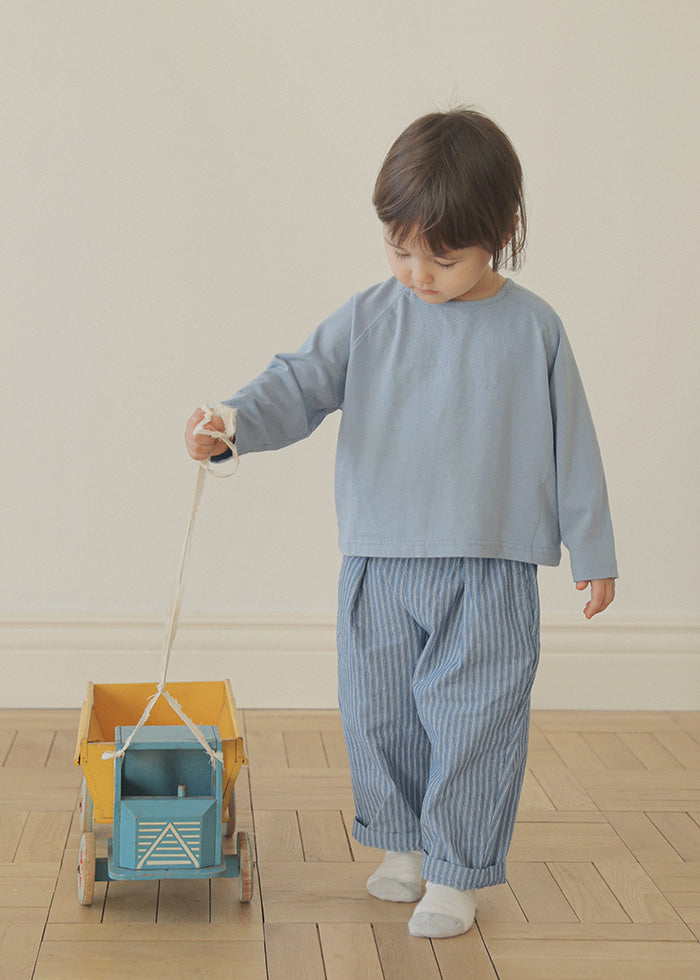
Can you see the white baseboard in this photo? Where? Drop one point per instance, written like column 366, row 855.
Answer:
column 650, row 663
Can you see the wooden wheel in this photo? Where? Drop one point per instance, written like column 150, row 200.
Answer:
column 231, row 819
column 85, row 809
column 245, row 869
column 86, row 869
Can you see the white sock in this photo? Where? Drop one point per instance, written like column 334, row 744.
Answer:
column 397, row 879
column 443, row 912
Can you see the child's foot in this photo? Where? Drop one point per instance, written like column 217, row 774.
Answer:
column 443, row 912
column 397, row 879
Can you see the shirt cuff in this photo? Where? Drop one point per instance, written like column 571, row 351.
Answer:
column 221, row 457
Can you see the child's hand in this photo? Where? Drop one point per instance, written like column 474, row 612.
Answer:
column 202, row 446
column 602, row 594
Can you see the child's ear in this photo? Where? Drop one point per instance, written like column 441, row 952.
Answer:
column 508, row 237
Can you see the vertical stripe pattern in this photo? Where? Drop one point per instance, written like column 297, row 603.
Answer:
column 436, row 659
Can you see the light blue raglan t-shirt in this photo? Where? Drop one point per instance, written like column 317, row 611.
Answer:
column 465, row 429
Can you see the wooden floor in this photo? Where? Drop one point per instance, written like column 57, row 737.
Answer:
column 603, row 874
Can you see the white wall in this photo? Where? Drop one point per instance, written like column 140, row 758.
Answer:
column 186, row 190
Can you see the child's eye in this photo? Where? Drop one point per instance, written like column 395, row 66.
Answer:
column 400, row 255
column 446, row 265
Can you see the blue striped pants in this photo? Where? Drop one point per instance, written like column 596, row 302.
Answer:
column 436, row 659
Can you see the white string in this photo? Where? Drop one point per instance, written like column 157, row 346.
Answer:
column 228, row 415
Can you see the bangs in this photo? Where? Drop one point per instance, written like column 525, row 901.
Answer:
column 420, row 208
column 439, row 224
column 437, row 235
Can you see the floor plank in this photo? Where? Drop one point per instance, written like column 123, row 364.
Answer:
column 612, row 721
column 675, row 877
column 642, row 790
column 305, row 750
column 183, row 901
column 560, row 784
column 44, row 837
column 538, row 893
column 62, row 750
column 293, row 951
column 587, row 893
column 563, row 960
column 267, row 749
column 324, row 893
column 498, row 904
column 116, row 959
column 681, row 831
column 636, row 892
column 323, row 836
column 278, row 836
column 242, row 921
column 30, row 749
column 54, row 719
column 311, row 788
column 404, row 957
column 533, row 797
column 612, row 751
column 350, row 951
column 650, row 751
column 334, row 746
column 574, row 751
column 641, row 836
column 266, row 720
column 567, row 842
column 600, row 932
column 131, row 901
column 7, row 737
column 683, row 747
column 11, row 827
column 20, row 940
column 464, row 956
column 19, row 890
column 687, row 721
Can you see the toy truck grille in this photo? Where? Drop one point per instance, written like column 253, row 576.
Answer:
column 168, row 833
column 160, row 844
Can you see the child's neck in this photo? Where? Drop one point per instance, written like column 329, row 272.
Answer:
column 488, row 287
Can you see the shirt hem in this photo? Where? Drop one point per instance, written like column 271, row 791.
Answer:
column 371, row 548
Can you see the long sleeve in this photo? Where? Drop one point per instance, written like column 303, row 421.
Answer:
column 582, row 498
column 290, row 399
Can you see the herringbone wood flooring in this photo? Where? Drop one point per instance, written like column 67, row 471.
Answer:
column 603, row 876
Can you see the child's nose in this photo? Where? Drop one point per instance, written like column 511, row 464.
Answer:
column 421, row 272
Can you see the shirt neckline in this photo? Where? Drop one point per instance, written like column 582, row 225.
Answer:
column 469, row 304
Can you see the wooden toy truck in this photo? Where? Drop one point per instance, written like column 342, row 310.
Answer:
column 166, row 800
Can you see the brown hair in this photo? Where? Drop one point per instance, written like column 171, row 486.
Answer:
column 455, row 179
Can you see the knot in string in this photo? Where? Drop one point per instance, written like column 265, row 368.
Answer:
column 228, row 436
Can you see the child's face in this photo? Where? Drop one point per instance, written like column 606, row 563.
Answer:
column 461, row 274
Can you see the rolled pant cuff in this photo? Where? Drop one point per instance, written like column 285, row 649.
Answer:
column 443, row 873
column 386, row 841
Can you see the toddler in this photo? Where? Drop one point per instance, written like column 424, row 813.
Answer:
column 466, row 455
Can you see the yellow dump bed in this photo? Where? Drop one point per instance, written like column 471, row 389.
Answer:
column 109, row 705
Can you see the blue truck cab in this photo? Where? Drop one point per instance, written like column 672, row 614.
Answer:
column 167, row 805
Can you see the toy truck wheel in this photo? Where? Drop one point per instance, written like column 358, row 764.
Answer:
column 86, row 869
column 245, row 871
column 85, row 809
column 231, row 819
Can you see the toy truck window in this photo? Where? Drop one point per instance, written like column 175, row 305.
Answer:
column 159, row 772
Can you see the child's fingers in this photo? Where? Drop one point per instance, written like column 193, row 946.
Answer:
column 602, row 594
column 202, row 445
